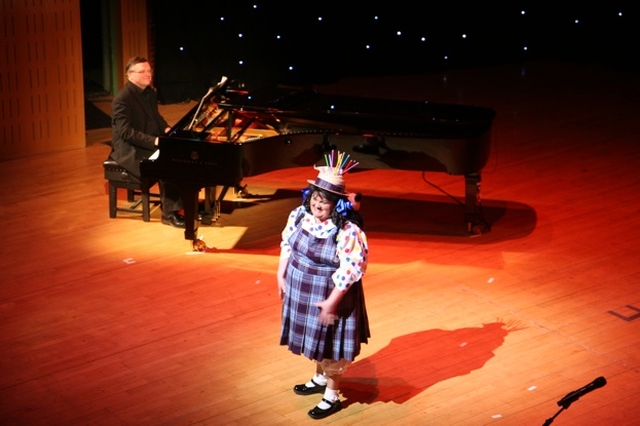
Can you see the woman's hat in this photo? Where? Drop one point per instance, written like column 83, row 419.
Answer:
column 330, row 177
column 328, row 181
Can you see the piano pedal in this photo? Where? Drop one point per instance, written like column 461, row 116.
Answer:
column 206, row 219
column 241, row 191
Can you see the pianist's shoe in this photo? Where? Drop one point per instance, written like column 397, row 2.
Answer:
column 173, row 219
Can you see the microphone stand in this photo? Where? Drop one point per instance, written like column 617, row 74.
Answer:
column 550, row 419
column 195, row 116
column 572, row 397
column 209, row 92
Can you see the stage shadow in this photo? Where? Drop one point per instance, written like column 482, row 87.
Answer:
column 414, row 362
column 442, row 216
column 432, row 217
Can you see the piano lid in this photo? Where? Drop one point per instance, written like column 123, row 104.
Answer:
column 294, row 110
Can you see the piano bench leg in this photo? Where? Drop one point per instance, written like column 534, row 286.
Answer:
column 141, row 204
column 113, row 199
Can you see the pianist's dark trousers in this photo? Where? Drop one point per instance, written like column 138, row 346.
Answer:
column 169, row 196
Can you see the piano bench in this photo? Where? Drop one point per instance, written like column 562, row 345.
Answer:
column 138, row 192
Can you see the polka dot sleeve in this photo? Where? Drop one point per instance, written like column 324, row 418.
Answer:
column 353, row 253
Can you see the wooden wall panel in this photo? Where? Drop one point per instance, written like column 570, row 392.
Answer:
column 133, row 33
column 41, row 83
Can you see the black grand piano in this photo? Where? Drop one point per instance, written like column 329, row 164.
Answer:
column 232, row 134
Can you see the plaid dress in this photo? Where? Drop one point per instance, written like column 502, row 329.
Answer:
column 312, row 264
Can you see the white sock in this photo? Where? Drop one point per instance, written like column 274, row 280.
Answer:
column 329, row 395
column 319, row 379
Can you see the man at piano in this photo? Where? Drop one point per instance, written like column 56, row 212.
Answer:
column 136, row 124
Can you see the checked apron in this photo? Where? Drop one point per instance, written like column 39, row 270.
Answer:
column 308, row 275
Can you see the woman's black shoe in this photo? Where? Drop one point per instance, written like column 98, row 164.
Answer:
column 319, row 413
column 304, row 390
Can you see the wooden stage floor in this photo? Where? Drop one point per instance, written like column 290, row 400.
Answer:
column 117, row 322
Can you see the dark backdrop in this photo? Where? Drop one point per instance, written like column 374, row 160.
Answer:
column 198, row 41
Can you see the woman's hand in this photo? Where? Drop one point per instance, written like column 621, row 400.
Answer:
column 282, row 286
column 282, row 281
column 328, row 315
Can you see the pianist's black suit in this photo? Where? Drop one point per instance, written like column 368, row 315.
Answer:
column 135, row 123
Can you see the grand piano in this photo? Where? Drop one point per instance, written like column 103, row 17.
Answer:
column 232, row 134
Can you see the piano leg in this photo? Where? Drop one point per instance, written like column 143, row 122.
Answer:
column 209, row 215
column 190, row 202
column 476, row 224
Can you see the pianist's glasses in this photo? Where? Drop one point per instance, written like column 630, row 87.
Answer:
column 143, row 72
